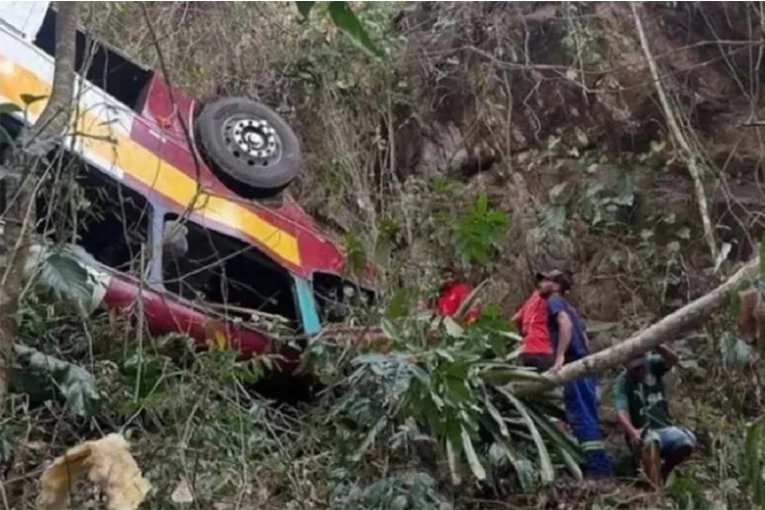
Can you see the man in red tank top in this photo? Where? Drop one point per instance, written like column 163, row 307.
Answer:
column 531, row 319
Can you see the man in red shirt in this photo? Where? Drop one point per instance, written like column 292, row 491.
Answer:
column 531, row 319
column 451, row 296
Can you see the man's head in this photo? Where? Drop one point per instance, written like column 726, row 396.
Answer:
column 554, row 282
column 636, row 368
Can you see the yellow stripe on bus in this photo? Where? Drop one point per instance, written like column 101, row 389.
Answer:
column 148, row 168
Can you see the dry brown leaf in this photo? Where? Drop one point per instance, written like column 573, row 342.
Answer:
column 108, row 464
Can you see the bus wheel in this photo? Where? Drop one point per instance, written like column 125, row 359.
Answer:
column 248, row 145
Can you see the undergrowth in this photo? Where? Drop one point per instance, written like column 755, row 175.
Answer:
column 384, row 430
column 424, row 420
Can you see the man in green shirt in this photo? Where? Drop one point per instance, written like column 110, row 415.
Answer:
column 641, row 401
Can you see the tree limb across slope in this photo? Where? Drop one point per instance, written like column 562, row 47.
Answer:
column 666, row 330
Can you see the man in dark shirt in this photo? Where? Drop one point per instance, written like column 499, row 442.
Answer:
column 580, row 397
column 641, row 401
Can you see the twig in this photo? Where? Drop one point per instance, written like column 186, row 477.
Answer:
column 690, row 156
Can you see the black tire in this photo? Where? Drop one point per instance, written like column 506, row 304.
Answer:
column 248, row 146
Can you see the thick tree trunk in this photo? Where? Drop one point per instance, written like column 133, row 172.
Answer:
column 55, row 117
column 666, row 330
column 19, row 216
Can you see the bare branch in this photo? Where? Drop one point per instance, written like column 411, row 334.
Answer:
column 690, row 155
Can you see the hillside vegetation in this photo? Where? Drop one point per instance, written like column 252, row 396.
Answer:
column 496, row 137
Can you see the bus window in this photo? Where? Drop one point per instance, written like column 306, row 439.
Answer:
column 336, row 297
column 220, row 270
column 77, row 203
column 80, row 204
column 100, row 64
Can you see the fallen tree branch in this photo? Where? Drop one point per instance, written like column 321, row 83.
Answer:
column 664, row 331
column 688, row 154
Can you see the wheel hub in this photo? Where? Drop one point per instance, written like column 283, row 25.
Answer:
column 251, row 139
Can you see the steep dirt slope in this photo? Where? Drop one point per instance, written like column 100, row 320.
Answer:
column 557, row 101
column 547, row 107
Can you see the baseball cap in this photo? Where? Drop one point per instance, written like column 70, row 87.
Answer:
column 564, row 278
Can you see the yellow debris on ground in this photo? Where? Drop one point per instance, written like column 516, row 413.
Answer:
column 108, row 464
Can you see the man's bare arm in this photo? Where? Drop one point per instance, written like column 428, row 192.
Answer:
column 746, row 321
column 565, row 328
column 670, row 357
column 626, row 422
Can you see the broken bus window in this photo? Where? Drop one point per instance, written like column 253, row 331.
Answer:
column 218, row 269
column 337, row 297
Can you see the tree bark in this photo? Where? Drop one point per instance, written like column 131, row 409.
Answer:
column 664, row 331
column 19, row 216
column 55, row 117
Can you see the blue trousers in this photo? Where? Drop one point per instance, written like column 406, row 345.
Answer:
column 581, row 401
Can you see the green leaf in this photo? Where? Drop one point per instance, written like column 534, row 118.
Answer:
column 355, row 255
column 30, row 99
column 369, row 439
column 62, row 273
column 475, row 465
column 482, row 204
column 523, row 466
column 345, row 20
column 762, row 257
column 554, row 218
column 305, row 8
column 559, row 438
column 626, row 190
column 8, row 108
column 453, row 329
column 546, row 468
column 400, row 304
column 571, row 464
column 494, row 413
column 751, row 463
column 736, row 353
column 452, row 460
column 74, row 383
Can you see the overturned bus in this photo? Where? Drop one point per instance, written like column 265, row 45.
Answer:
column 180, row 204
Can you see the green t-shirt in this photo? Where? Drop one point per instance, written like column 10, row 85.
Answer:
column 645, row 400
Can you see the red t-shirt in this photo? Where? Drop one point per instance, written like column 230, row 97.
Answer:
column 533, row 319
column 451, row 298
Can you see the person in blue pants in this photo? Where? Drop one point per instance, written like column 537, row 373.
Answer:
column 580, row 397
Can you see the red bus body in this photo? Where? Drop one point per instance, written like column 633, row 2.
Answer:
column 160, row 126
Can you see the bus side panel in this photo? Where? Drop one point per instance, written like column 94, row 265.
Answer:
column 165, row 315
column 24, row 17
